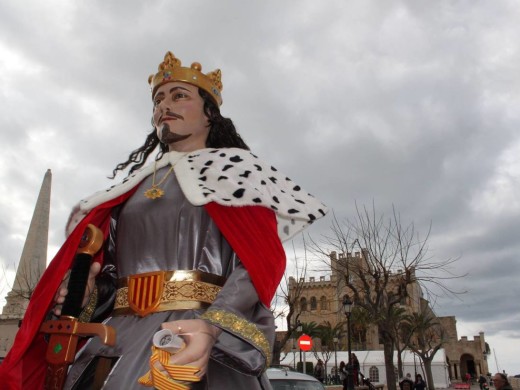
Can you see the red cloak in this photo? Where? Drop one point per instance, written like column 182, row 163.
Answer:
column 251, row 231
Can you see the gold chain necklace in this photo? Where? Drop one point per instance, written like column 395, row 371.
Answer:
column 154, row 191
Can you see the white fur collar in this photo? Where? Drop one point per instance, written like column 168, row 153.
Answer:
column 230, row 177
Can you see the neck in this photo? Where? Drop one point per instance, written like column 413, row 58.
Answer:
column 187, row 145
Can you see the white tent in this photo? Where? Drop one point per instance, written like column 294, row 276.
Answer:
column 372, row 364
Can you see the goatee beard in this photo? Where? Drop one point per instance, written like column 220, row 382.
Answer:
column 168, row 137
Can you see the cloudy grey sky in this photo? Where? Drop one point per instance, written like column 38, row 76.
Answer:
column 410, row 103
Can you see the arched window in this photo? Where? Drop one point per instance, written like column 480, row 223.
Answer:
column 303, row 304
column 323, row 303
column 314, row 303
column 373, row 374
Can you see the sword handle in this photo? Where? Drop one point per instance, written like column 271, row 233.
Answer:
column 90, row 244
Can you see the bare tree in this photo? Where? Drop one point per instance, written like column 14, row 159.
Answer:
column 287, row 302
column 393, row 260
column 27, row 278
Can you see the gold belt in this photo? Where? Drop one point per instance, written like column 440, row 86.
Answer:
column 152, row 292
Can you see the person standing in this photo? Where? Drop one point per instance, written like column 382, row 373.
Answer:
column 343, row 374
column 407, row 383
column 205, row 221
column 355, row 369
column 482, row 381
column 319, row 371
column 419, row 384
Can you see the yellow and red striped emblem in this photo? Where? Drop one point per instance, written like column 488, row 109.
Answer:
column 145, row 291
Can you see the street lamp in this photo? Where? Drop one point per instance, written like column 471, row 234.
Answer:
column 335, row 340
column 347, row 309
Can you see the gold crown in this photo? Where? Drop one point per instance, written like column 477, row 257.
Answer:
column 171, row 70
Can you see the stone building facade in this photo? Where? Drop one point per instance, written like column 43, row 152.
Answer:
column 320, row 301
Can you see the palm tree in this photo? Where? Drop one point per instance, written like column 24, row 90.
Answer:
column 310, row 329
column 429, row 336
column 327, row 333
column 360, row 321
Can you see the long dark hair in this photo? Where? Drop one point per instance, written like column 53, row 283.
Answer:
column 222, row 134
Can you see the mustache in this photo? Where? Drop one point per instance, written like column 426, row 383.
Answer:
column 170, row 114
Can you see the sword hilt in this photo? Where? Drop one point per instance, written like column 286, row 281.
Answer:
column 65, row 333
column 91, row 243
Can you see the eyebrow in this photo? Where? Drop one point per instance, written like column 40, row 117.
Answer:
column 177, row 87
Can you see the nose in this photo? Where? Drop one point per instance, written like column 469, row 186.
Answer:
column 163, row 106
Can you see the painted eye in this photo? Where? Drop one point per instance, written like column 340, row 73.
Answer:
column 179, row 95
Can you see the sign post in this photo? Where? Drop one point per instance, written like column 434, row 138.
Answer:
column 305, row 344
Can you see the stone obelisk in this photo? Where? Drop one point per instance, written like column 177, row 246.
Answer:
column 34, row 255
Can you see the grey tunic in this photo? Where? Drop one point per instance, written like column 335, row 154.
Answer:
column 170, row 234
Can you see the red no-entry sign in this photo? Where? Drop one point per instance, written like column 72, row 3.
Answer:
column 305, row 342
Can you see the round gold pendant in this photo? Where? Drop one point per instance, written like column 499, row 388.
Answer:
column 153, row 193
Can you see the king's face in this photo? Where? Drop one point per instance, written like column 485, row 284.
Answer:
column 179, row 118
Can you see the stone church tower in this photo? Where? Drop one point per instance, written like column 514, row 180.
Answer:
column 30, row 268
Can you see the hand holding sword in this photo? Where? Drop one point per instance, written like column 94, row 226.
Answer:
column 65, row 331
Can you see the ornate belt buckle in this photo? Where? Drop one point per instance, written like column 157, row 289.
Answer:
column 145, row 292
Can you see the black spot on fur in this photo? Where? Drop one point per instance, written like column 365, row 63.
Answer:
column 208, row 163
column 258, row 167
column 273, row 179
column 276, row 199
column 226, row 167
column 299, row 201
column 202, row 178
column 296, row 188
column 245, row 174
column 239, row 193
column 293, row 211
column 236, row 159
column 222, row 178
column 263, row 183
column 273, row 169
column 312, row 217
column 222, row 154
column 203, row 170
column 274, row 208
column 257, row 200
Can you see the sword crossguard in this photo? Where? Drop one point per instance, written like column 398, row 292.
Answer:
column 65, row 333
